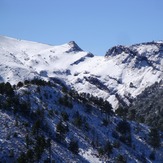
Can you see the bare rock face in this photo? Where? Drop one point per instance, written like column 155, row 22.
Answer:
column 74, row 47
column 116, row 50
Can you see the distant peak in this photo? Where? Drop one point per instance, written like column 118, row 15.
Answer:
column 149, row 47
column 72, row 43
column 74, row 47
column 117, row 50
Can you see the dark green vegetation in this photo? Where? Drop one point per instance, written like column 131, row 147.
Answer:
column 40, row 134
column 53, row 123
column 147, row 107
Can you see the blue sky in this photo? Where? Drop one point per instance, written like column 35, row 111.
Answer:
column 96, row 25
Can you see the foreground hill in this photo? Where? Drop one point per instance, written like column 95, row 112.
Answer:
column 118, row 77
column 43, row 122
column 148, row 107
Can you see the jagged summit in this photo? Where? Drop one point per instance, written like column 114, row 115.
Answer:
column 116, row 50
column 137, row 49
column 74, row 47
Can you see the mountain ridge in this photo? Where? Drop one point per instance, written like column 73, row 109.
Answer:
column 58, row 105
column 124, row 71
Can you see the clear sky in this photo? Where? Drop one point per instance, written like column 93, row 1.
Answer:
column 96, row 25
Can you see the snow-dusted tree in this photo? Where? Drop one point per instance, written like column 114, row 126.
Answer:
column 154, row 138
column 73, row 147
column 61, row 130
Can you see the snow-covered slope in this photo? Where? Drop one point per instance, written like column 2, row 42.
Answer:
column 36, row 58
column 39, row 120
column 121, row 75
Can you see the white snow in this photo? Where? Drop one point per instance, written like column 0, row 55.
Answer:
column 20, row 60
column 88, row 155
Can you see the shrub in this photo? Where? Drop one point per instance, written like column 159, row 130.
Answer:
column 73, row 147
column 65, row 116
column 108, row 148
column 65, row 101
column 22, row 158
column 6, row 88
column 20, row 84
column 61, row 130
column 154, row 138
column 123, row 127
column 36, row 127
column 105, row 122
column 100, row 151
column 86, row 126
column 152, row 156
column 121, row 111
column 77, row 120
column 120, row 159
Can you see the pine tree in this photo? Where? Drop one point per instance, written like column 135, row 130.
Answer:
column 61, row 130
column 73, row 147
column 154, row 138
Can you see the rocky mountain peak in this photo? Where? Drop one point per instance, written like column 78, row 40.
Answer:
column 143, row 49
column 74, row 47
column 116, row 50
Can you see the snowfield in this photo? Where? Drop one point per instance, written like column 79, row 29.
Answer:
column 123, row 73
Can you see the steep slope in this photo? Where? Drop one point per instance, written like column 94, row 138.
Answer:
column 42, row 121
column 148, row 106
column 118, row 77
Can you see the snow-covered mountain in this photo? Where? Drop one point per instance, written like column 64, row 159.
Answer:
column 46, row 122
column 120, row 75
